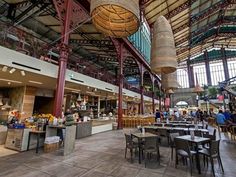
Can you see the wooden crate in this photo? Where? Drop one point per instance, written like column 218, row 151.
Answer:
column 51, row 147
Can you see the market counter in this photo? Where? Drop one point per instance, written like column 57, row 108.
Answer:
column 83, row 129
column 17, row 139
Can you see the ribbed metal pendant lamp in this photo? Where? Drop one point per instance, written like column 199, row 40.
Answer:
column 115, row 18
column 163, row 52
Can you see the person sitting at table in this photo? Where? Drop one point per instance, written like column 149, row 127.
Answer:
column 227, row 114
column 220, row 118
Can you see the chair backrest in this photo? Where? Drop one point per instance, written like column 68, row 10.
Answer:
column 198, row 133
column 151, row 143
column 162, row 132
column 181, row 132
column 214, row 147
column 214, row 133
column 128, row 139
column 182, row 145
column 191, row 125
column 212, row 137
column 172, row 138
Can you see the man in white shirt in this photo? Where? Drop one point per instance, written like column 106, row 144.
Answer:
column 176, row 115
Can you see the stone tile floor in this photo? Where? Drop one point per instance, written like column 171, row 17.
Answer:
column 102, row 155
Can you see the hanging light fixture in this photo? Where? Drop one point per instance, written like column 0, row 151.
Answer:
column 115, row 18
column 169, row 81
column 73, row 105
column 197, row 88
column 22, row 73
column 79, row 98
column 6, row 105
column 163, row 52
column 12, row 70
column 170, row 91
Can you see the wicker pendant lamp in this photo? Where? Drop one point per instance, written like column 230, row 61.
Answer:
column 197, row 88
column 115, row 18
column 169, row 81
column 163, row 52
column 170, row 91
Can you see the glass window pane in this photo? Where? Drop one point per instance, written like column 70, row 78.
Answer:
column 200, row 72
column 182, row 77
column 217, row 72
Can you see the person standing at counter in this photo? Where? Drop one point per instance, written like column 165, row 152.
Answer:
column 158, row 116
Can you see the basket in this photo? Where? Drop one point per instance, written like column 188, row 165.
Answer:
column 51, row 147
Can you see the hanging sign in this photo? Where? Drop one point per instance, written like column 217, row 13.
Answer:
column 167, row 102
column 221, row 97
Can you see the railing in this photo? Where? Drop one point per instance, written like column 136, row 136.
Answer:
column 148, row 93
column 142, row 42
column 17, row 39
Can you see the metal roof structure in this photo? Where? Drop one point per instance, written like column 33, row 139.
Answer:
column 197, row 25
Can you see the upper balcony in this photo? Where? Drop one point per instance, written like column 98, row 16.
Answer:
column 19, row 40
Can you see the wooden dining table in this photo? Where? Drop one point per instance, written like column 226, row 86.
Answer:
column 140, row 137
column 196, row 140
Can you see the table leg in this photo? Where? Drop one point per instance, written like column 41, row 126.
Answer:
column 28, row 141
column 139, row 151
column 37, row 147
column 198, row 160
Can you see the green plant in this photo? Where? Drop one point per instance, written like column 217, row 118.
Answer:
column 159, row 93
column 212, row 92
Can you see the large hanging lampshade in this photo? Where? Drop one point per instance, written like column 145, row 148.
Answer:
column 170, row 91
column 115, row 18
column 163, row 52
column 198, row 89
column 169, row 81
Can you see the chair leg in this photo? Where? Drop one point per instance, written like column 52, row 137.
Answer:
column 191, row 166
column 176, row 160
column 146, row 156
column 172, row 153
column 125, row 152
column 219, row 159
column 204, row 160
column 131, row 155
column 212, row 167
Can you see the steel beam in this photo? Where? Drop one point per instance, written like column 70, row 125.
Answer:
column 225, row 65
column 207, row 65
column 120, row 84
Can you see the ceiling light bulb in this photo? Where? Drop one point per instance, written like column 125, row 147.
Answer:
column 12, row 70
column 4, row 68
column 22, row 73
column 9, row 83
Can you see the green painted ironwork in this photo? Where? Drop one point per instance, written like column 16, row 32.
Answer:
column 142, row 42
column 214, row 55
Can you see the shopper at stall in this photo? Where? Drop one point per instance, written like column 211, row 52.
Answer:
column 176, row 114
column 158, row 115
